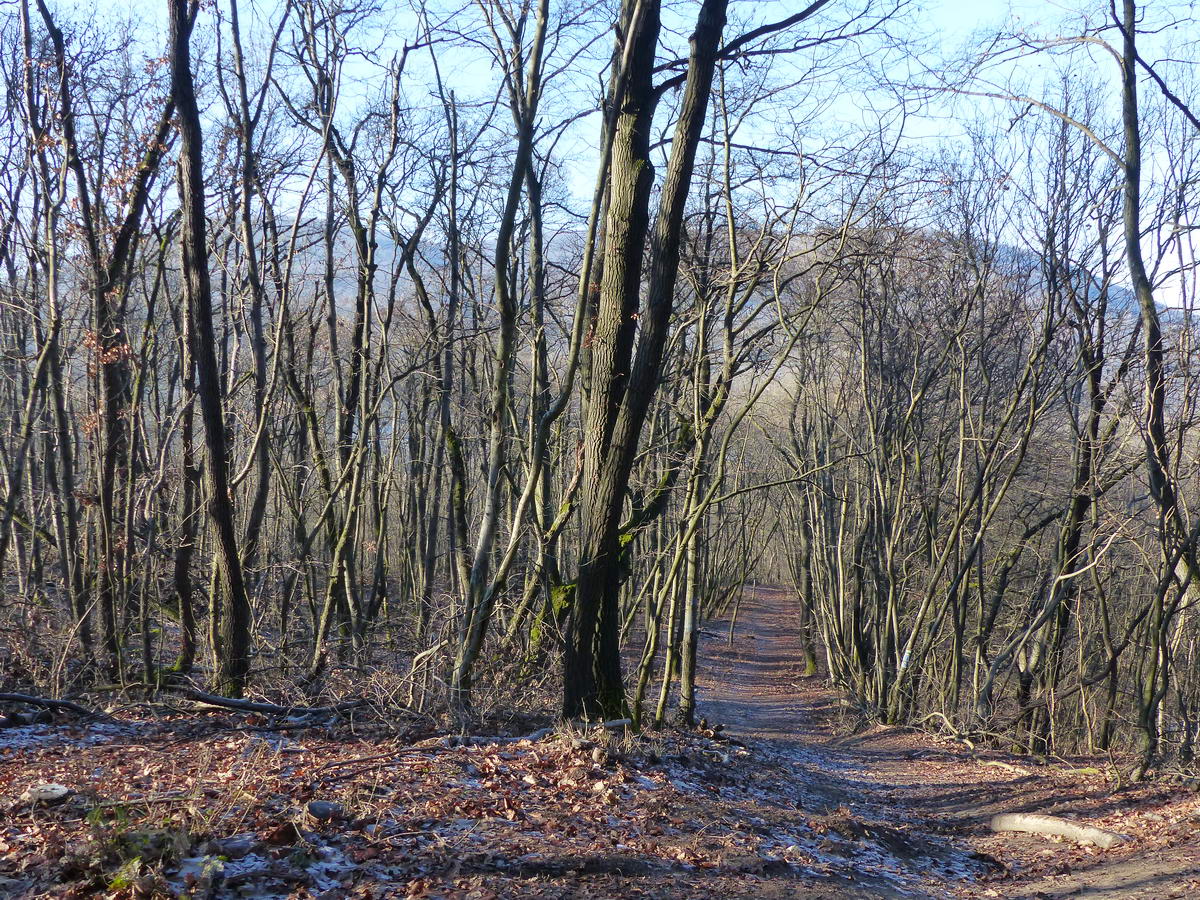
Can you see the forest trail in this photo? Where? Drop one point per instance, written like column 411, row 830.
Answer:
column 926, row 804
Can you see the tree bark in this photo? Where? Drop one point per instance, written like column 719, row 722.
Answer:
column 622, row 387
column 234, row 628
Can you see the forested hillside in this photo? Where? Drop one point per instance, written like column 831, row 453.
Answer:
column 398, row 370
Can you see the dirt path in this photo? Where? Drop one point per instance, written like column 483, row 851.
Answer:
column 929, row 804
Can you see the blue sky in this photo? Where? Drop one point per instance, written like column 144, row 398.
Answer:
column 940, row 29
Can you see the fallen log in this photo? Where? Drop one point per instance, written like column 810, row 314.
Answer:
column 455, row 740
column 48, row 703
column 1035, row 823
column 270, row 709
column 532, row 737
column 1007, row 767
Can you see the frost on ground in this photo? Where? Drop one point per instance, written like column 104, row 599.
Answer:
column 227, row 813
column 792, row 805
column 209, row 806
column 928, row 801
column 23, row 736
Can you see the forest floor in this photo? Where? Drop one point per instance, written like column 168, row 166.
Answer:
column 938, row 796
column 785, row 801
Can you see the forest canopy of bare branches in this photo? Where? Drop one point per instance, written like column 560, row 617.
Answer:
column 448, row 357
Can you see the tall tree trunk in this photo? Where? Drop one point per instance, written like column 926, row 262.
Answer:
column 234, row 629
column 621, row 387
column 1178, row 549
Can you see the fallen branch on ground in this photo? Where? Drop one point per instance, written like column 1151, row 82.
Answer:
column 270, row 709
column 60, row 705
column 451, row 742
column 492, row 739
column 611, row 725
column 1034, row 823
column 1007, row 767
